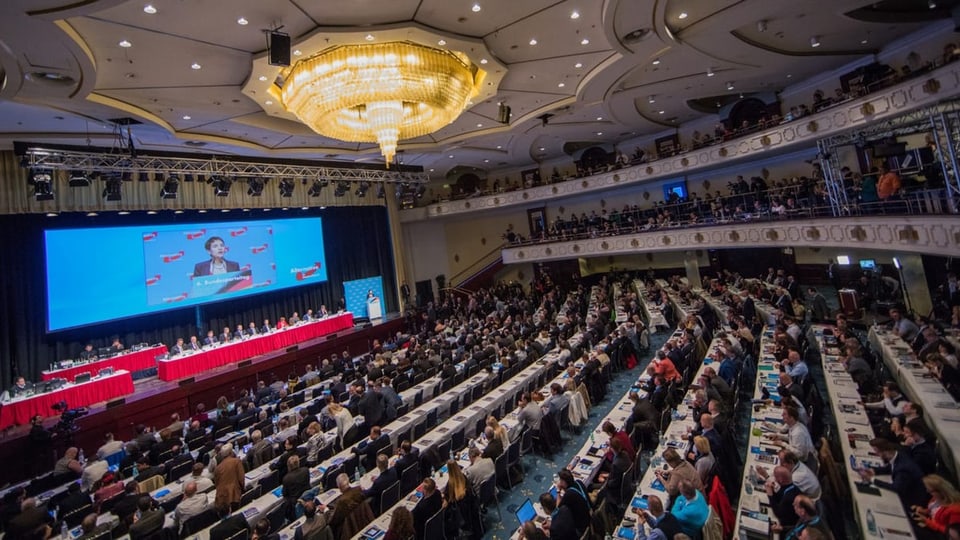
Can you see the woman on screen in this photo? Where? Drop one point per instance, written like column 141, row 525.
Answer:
column 217, row 264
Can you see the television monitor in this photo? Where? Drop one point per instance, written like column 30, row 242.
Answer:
column 675, row 190
column 868, row 264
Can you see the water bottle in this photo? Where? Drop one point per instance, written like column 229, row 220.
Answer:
column 871, row 523
column 64, row 530
column 356, row 475
column 593, row 439
column 83, row 459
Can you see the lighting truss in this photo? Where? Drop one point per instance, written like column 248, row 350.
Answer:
column 103, row 162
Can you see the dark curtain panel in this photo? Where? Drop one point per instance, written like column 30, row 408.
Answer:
column 356, row 242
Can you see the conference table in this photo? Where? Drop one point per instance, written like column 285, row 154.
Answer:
column 20, row 410
column 190, row 363
column 941, row 411
column 130, row 360
column 655, row 318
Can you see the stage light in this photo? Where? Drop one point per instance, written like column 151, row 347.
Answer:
column 316, row 188
column 286, row 187
column 421, row 190
column 42, row 181
column 112, row 190
column 342, row 188
column 221, row 187
column 79, row 179
column 170, row 188
column 381, row 192
column 362, row 189
column 255, row 187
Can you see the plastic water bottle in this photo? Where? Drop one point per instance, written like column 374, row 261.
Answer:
column 871, row 523
column 64, row 530
column 356, row 475
column 82, row 458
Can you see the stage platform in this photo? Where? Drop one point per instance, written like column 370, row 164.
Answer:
column 154, row 400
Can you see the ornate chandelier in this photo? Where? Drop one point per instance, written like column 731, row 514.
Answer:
column 380, row 92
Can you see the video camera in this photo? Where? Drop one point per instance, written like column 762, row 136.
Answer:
column 68, row 418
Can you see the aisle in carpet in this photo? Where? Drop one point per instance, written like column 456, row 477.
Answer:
column 539, row 471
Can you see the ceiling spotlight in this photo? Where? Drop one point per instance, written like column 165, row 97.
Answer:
column 286, row 187
column 362, row 189
column 533, row 41
column 297, row 52
column 578, row 65
column 442, row 42
column 255, row 187
column 125, row 44
column 599, row 118
column 42, row 181
column 242, row 22
column 486, row 161
column 815, row 41
column 268, row 102
column 450, row 156
column 483, row 60
column 710, row 72
column 651, row 99
column 149, row 9
column 195, row 66
column 682, row 15
column 730, row 85
column 863, row 42
column 186, row 117
column 316, row 188
column 479, row 125
column 762, row 25
column 499, row 147
column 78, row 179
column 369, row 37
column 381, row 191
column 262, row 78
column 112, row 190
column 656, row 61
column 661, row 111
column 170, row 187
column 599, row 133
column 542, row 149
column 221, row 187
column 475, row 8
column 584, row 41
column 931, row 4
column 574, row 14
column 561, row 85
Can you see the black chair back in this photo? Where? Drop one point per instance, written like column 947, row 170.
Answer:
column 250, row 494
column 179, row 471
column 269, row 482
column 169, row 504
column 458, row 439
column 277, row 517
column 389, row 497
column 74, row 518
column 410, row 478
column 330, row 477
column 198, row 522
column 433, row 529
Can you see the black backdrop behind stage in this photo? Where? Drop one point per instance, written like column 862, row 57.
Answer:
column 356, row 240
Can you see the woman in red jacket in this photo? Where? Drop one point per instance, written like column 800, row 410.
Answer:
column 943, row 509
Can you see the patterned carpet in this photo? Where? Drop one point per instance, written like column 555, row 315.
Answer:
column 540, row 471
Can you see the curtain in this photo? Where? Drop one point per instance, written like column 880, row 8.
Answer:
column 356, row 240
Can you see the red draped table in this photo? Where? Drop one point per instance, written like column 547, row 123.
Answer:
column 21, row 410
column 131, row 361
column 192, row 363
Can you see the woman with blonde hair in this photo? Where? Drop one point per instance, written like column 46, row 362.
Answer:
column 314, row 443
column 943, row 509
column 499, row 431
column 704, row 459
column 459, row 502
column 342, row 417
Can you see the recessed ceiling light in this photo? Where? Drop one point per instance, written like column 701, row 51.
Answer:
column 202, row 211
column 542, row 149
column 584, row 41
column 710, row 72
column 125, row 44
column 651, row 99
column 479, row 125
column 268, row 102
column 499, row 147
column 599, row 133
column 661, row 112
column 789, row 75
column 151, row 212
column 814, row 42
column 863, row 42
column 682, row 15
column 149, row 9
column 186, row 117
column 442, row 42
column 533, row 41
column 450, row 156
column 431, row 170
column 297, row 52
column 730, row 86
column 574, row 14
column 561, row 85
column 656, row 61
column 486, row 161
column 195, row 66
column 599, row 118
column 242, row 22
column 369, row 37
column 483, row 60
column 931, row 4
column 475, row 8
column 92, row 214
column 263, row 78
column 178, row 211
column 578, row 65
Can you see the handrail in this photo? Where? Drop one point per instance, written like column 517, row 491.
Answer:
column 483, row 263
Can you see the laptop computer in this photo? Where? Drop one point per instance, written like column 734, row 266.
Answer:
column 527, row 512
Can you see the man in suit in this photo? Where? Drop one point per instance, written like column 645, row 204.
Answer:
column 350, row 498
column 211, row 339
column 749, row 309
column 266, row 328
column 386, row 477
column 429, row 504
column 907, row 476
column 295, row 482
column 494, row 446
column 194, row 344
column 229, row 479
column 408, row 455
column 179, row 347
column 147, row 521
column 781, row 500
column 238, row 333
column 819, row 312
column 225, row 336
column 229, row 525
column 917, row 445
column 127, row 505
column 368, row 448
column 261, row 452
column 643, row 418
column 371, row 407
column 74, row 500
column 561, row 525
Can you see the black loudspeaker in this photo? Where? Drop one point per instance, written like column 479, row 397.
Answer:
column 244, row 363
column 279, row 49
column 331, row 336
column 293, row 348
column 116, row 403
column 184, row 382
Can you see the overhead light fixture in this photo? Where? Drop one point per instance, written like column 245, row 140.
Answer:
column 316, row 188
column 730, row 85
column 931, row 4
column 843, row 260
column 111, row 192
column 242, row 22
column 195, row 66
column 187, row 117
column 661, row 111
column 815, row 41
column 561, row 85
column 262, row 78
column 584, row 41
column 125, row 44
column 578, row 65
column 574, row 14
column 170, row 188
column 255, row 187
column 476, row 8
column 297, row 52
column 369, row 37
column 710, row 72
column 149, row 9
column 221, row 187
column 533, row 41
column 406, row 91
column 599, row 133
column 286, row 187
column 483, row 61
column 682, row 15
column 442, row 42
column 42, row 181
column 342, row 188
column 421, row 190
column 381, row 191
column 599, row 118
column 78, row 179
column 656, row 61
column 651, row 99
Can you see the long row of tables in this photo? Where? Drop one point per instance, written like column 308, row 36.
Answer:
column 20, row 410
column 941, row 411
column 130, row 360
column 190, row 363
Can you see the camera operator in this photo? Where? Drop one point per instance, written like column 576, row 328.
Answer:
column 40, row 442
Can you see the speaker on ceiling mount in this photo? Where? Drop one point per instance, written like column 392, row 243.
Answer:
column 279, row 49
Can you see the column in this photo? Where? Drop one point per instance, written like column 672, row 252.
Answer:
column 913, row 280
